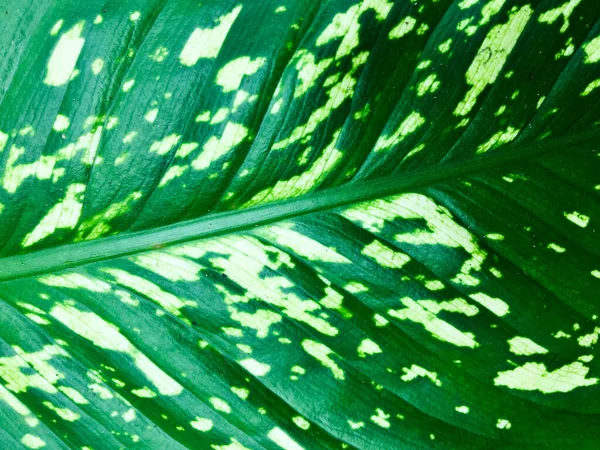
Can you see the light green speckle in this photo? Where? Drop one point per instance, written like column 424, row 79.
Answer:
column 321, row 353
column 524, row 346
column 207, row 42
column 368, row 347
column 492, row 55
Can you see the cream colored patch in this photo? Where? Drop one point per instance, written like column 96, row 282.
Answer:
column 491, row 57
column 535, row 377
column 255, row 367
column 215, row 148
column 230, row 76
column 416, row 372
column 438, row 328
column 321, row 353
column 64, row 215
column 64, row 56
column 524, row 346
column 306, row 181
column 283, row 440
column 105, row 335
column 405, row 26
column 207, row 42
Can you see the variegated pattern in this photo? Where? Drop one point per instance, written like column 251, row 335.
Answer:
column 246, row 224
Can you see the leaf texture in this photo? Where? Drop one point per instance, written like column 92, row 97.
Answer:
column 301, row 225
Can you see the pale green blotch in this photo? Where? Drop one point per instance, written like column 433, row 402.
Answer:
column 564, row 10
column 242, row 393
column 244, row 260
column 492, row 8
column 202, row 424
column 15, row 174
column 97, row 66
column 12, row 401
column 418, row 372
column 105, row 335
column 567, row 51
column 462, row 409
column 405, row 26
column 87, row 143
column 44, row 376
column 160, row 54
column 235, row 445
column 168, row 301
column 347, row 25
column 381, row 418
column 165, row 145
column 215, row 148
column 56, row 28
column 3, row 140
column 231, row 74
column 437, row 327
column 306, row 181
column 555, row 247
column 98, row 225
column 500, row 137
column 63, row 413
column 492, row 55
column 368, row 347
column 128, row 85
column 355, row 425
column 255, row 367
column 32, row 441
column 465, row 4
column 308, row 71
column 172, row 172
column 283, row 440
column 300, row 244
column 444, row 47
column 74, row 280
column 220, row 405
column 338, row 93
column 458, row 305
column 301, row 422
column 429, row 84
column 535, row 377
column 64, row 56
column 495, row 305
column 207, row 42
column 441, row 229
column 592, row 51
column 151, row 115
column 587, row 340
column 524, row 346
column 63, row 215
column 503, row 424
column 204, row 116
column 587, row 91
column 385, row 256
column 321, row 353
column 220, row 116
column 169, row 266
column 579, row 219
column 261, row 320
column 408, row 126
column 61, row 123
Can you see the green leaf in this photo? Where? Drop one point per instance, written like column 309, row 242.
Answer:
column 301, row 225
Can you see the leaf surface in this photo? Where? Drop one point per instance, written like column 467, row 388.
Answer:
column 246, row 225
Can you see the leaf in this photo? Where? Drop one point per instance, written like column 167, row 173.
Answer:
column 245, row 225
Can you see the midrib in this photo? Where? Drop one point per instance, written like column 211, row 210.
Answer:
column 76, row 254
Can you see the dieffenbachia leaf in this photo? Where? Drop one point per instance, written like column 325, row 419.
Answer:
column 246, row 224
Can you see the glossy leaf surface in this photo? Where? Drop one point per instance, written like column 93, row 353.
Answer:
column 260, row 225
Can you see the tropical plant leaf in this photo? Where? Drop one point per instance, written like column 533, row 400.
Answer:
column 299, row 224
